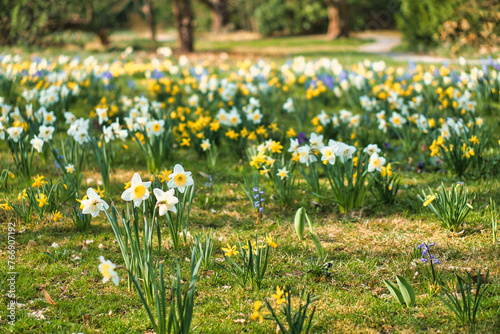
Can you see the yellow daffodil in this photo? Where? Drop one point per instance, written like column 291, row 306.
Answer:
column 42, row 200
column 57, row 215
column 230, row 251
column 429, row 199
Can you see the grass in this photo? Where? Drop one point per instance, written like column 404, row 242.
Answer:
column 365, row 248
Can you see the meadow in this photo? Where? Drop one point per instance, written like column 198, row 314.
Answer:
column 176, row 194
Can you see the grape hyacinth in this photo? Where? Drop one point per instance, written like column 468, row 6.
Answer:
column 428, row 257
column 258, row 203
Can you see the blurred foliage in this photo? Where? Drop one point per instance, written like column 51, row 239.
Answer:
column 297, row 17
column 27, row 22
column 454, row 24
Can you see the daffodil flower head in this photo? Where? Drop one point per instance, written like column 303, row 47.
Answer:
column 138, row 190
column 429, row 199
column 180, row 179
column 280, row 295
column 165, row 200
column 230, row 251
column 93, row 204
column 257, row 313
column 107, row 271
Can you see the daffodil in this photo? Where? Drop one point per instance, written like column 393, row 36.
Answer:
column 107, row 269
column 282, row 173
column 386, row 170
column 375, row 162
column 230, row 251
column 57, row 215
column 180, row 179
column 429, row 199
column 279, row 296
column 270, row 241
column 205, row 144
column 165, row 200
column 257, row 313
column 93, row 204
column 138, row 190
column 42, row 200
column 38, row 182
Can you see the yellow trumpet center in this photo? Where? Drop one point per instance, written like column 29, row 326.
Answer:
column 139, row 191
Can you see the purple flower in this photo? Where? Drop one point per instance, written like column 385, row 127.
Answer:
column 302, row 138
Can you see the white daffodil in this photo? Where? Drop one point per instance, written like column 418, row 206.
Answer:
column 371, row 148
column 344, row 151
column 46, row 132
column 375, row 163
column 107, row 269
column 294, row 145
column 328, row 153
column 180, row 179
column 93, row 204
column 165, row 200
column 282, row 173
column 316, row 141
column 37, row 143
column 205, row 144
column 70, row 168
column 15, row 133
column 138, row 190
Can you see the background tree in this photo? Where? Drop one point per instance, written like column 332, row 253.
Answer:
column 147, row 9
column 183, row 15
column 219, row 13
column 337, row 17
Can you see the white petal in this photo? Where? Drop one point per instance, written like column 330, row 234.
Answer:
column 136, row 179
column 137, row 202
column 127, row 194
column 163, row 209
column 91, row 193
column 115, row 279
column 146, row 184
column 178, row 169
column 159, row 194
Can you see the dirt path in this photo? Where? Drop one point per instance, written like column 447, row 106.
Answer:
column 385, row 41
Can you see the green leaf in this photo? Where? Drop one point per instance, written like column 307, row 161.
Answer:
column 394, row 290
column 407, row 291
column 317, row 244
column 300, row 222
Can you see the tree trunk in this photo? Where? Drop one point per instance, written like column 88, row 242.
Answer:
column 337, row 17
column 184, row 23
column 220, row 17
column 147, row 9
column 103, row 35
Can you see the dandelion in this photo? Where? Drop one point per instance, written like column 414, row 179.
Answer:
column 166, row 200
column 180, row 179
column 107, row 269
column 93, row 204
column 138, row 190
